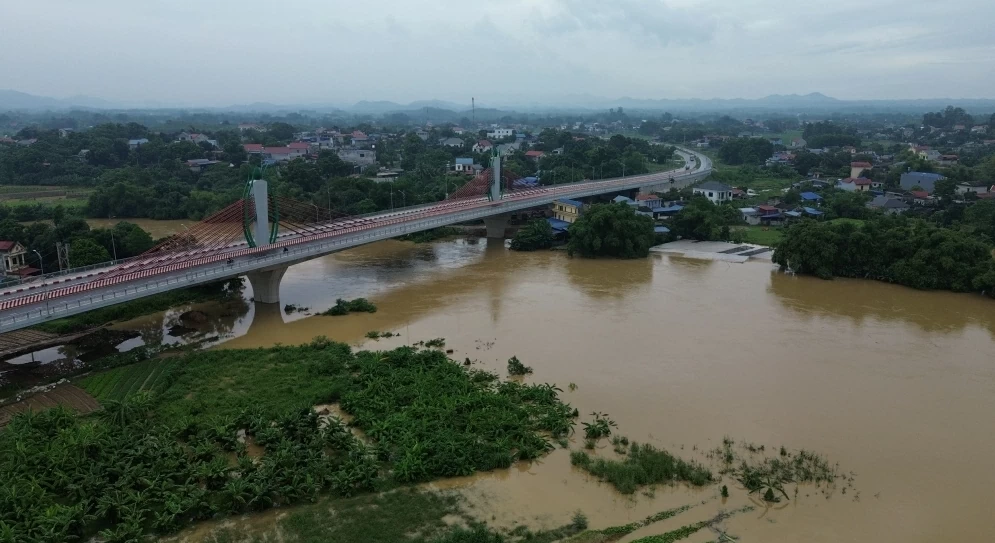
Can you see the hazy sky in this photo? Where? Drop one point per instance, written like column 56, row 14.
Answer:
column 222, row 52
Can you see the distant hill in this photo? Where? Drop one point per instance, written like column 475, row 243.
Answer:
column 16, row 100
column 576, row 103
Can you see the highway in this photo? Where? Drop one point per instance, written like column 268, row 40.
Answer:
column 79, row 291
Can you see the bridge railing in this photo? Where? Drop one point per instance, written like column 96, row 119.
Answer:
column 276, row 257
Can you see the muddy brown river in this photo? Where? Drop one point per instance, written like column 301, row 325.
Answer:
column 896, row 385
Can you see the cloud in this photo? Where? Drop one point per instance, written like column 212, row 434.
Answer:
column 652, row 19
column 342, row 51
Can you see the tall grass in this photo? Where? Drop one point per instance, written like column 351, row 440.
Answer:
column 644, row 465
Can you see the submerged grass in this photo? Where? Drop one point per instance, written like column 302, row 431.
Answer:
column 644, row 465
column 344, row 307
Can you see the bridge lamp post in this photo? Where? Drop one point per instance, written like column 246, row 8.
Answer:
column 392, row 196
column 404, row 199
column 40, row 261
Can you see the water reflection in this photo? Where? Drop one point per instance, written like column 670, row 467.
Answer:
column 601, row 279
column 859, row 301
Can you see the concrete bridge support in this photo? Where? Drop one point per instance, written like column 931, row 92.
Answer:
column 266, row 285
column 496, row 225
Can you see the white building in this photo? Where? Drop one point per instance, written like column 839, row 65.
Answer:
column 358, row 157
column 714, row 191
column 499, row 133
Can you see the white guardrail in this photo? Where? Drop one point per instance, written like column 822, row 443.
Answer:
column 276, row 256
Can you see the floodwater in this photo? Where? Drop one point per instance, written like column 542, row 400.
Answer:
column 895, row 385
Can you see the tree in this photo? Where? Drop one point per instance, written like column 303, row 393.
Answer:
column 85, row 251
column 535, row 235
column 612, row 230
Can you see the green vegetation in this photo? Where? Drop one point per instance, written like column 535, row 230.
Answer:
column 417, row 406
column 435, row 234
column 119, row 385
column 130, row 310
column 896, row 249
column 535, row 235
column 87, row 246
column 374, row 334
column 644, row 465
column 344, row 307
column 746, row 151
column 611, row 230
column 600, row 427
column 171, row 454
column 704, row 221
column 759, row 235
column 515, row 367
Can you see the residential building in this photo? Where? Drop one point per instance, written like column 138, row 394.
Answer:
column 535, row 155
column 567, row 210
column 136, row 143
column 811, row 197
column 798, row 143
column 921, row 197
column 192, row 137
column 500, row 133
column 857, row 168
column 714, row 191
column 855, row 184
column 625, row 200
column 251, row 126
column 925, row 181
column 451, row 142
column 31, row 141
column 750, row 215
column 888, row 204
column 651, row 201
column 931, row 155
column 253, row 148
column 198, row 165
column 358, row 157
column 979, row 129
column 12, row 261
column 302, row 147
column 463, row 165
column 949, row 160
column 507, row 149
column 482, row 146
column 964, row 188
column 64, row 132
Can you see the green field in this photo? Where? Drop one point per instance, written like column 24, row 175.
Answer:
column 121, row 383
column 761, row 235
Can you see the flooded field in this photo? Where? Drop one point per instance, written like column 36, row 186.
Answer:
column 895, row 385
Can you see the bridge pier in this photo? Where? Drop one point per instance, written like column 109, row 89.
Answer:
column 497, row 225
column 266, row 285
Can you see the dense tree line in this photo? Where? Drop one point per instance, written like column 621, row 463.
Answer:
column 753, row 151
column 88, row 246
column 611, row 230
column 896, row 249
column 585, row 157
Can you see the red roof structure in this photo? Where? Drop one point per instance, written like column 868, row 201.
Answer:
column 253, row 147
column 535, row 154
column 300, row 145
column 860, row 181
column 861, row 165
column 7, row 245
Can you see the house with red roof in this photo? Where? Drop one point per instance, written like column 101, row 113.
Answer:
column 253, row 148
column 300, row 146
column 536, row 155
column 482, row 146
column 12, row 261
